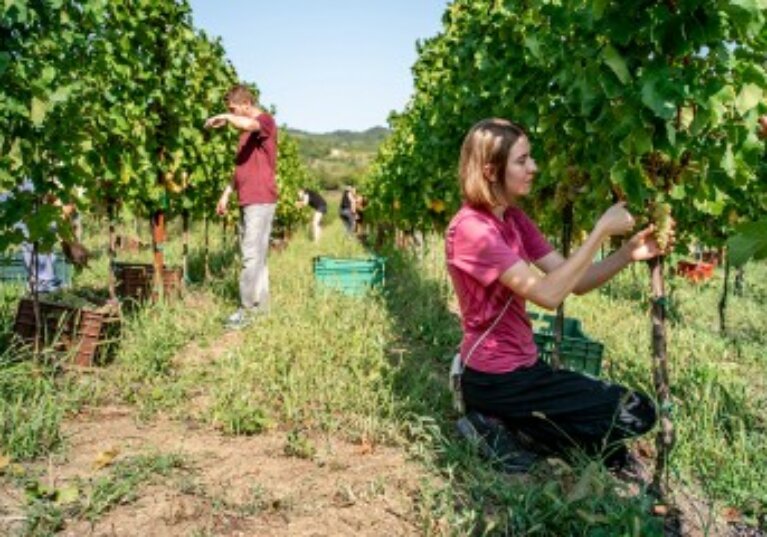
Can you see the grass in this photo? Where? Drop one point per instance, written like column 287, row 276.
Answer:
column 48, row 508
column 373, row 370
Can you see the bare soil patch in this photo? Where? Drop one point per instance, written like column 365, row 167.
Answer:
column 232, row 486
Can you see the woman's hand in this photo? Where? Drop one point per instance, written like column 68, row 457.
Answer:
column 616, row 221
column 643, row 246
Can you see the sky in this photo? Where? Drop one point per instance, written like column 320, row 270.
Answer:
column 325, row 64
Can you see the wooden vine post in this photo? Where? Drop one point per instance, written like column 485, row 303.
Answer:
column 158, row 244
column 559, row 323
column 34, row 277
column 206, row 252
column 185, row 251
column 722, row 306
column 112, row 253
column 664, row 441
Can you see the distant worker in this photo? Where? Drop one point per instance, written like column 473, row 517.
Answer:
column 348, row 209
column 310, row 198
column 360, row 204
column 42, row 276
column 254, row 181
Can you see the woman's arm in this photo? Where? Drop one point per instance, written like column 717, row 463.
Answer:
column 550, row 290
column 640, row 247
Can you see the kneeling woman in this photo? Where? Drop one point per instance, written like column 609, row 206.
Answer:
column 490, row 245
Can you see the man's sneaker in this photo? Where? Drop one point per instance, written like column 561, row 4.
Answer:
column 495, row 442
column 239, row 319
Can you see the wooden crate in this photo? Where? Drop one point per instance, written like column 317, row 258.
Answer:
column 695, row 272
column 89, row 334
column 136, row 281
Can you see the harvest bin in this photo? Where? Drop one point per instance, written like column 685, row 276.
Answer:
column 91, row 333
column 578, row 352
column 12, row 268
column 351, row 276
column 136, row 280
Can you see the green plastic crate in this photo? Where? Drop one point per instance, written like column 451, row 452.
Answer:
column 351, row 276
column 578, row 352
column 12, row 268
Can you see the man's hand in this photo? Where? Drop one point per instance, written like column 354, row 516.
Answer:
column 217, row 121
column 221, row 205
column 643, row 246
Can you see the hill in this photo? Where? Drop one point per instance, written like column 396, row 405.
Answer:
column 338, row 157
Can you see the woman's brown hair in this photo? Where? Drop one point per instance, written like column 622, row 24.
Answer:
column 487, row 144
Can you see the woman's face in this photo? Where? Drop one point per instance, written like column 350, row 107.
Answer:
column 520, row 170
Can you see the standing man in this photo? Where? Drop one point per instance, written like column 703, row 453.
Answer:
column 254, row 181
column 307, row 197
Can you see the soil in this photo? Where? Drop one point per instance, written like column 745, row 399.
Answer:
column 231, row 486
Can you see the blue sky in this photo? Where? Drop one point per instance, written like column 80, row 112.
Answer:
column 325, row 64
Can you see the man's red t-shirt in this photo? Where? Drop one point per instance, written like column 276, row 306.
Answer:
column 256, row 164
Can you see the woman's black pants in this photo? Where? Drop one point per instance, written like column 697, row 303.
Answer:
column 560, row 410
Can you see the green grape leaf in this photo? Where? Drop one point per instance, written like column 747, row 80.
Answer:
column 749, row 242
column 615, row 61
column 17, row 159
column 638, row 142
column 720, row 102
column 749, row 97
column 598, row 8
column 5, row 61
column 631, row 181
column 656, row 100
column 37, row 110
column 728, row 161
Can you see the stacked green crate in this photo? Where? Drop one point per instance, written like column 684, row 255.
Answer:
column 578, row 352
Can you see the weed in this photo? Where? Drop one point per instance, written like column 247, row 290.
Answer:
column 123, row 481
column 299, row 445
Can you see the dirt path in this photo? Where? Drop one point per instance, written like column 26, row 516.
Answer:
column 226, row 486
column 235, row 485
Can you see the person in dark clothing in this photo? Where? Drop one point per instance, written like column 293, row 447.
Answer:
column 348, row 209
column 310, row 198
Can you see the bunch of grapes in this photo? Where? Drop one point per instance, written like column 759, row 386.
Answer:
column 661, row 217
column 570, row 187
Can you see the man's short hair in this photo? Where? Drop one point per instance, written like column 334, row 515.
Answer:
column 240, row 94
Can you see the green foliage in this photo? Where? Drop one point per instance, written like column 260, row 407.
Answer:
column 299, row 445
column 318, row 146
column 338, row 158
column 749, row 242
column 121, row 484
column 42, row 52
column 30, row 409
column 78, row 499
column 291, row 176
column 655, row 102
column 108, row 99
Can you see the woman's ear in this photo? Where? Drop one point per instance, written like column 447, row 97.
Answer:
column 488, row 172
